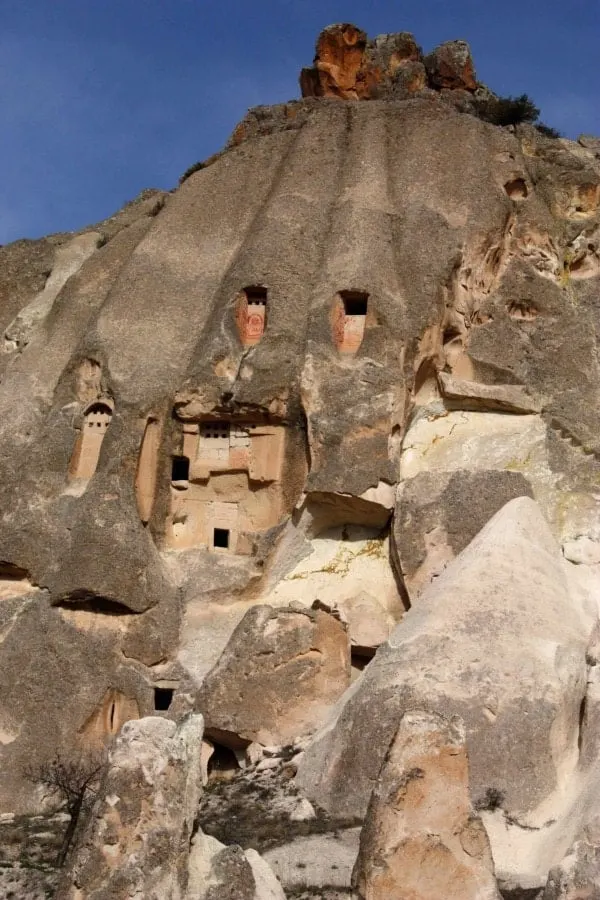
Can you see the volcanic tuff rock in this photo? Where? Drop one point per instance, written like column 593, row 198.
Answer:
column 499, row 640
column 349, row 66
column 252, row 693
column 421, row 838
column 309, row 376
column 137, row 840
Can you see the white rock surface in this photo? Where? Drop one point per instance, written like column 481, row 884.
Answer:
column 499, row 640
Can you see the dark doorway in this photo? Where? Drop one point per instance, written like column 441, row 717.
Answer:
column 221, row 538
column 355, row 304
column 162, row 698
column 180, row 469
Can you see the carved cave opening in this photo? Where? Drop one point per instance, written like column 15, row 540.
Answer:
column 84, row 460
column 180, row 469
column 516, row 189
column 222, row 764
column 163, row 697
column 226, row 485
column 349, row 320
column 221, row 538
column 251, row 314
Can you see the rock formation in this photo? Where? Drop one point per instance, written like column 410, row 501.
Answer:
column 252, row 694
column 137, row 840
column 335, row 397
column 421, row 838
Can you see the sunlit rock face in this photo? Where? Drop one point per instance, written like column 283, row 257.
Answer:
column 303, row 377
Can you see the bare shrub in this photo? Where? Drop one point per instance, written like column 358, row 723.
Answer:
column 75, row 780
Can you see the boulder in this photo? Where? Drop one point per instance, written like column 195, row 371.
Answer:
column 451, row 66
column 218, row 872
column 498, row 640
column 137, row 839
column 369, row 623
column 460, row 393
column 338, row 61
column 348, row 66
column 421, row 838
column 279, row 675
column 316, row 861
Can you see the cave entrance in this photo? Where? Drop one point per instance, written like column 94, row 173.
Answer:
column 163, row 697
column 180, row 470
column 221, row 538
column 349, row 320
column 252, row 315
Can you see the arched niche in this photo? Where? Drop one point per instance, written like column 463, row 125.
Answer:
column 97, row 417
column 251, row 314
column 107, row 719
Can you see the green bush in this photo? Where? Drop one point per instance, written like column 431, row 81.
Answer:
column 547, row 130
column 507, row 110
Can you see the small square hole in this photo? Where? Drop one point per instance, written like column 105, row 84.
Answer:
column 162, row 698
column 180, row 468
column 221, row 538
column 355, row 304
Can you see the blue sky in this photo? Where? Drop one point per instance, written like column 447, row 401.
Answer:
column 101, row 98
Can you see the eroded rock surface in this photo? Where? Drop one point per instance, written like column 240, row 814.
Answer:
column 277, row 678
column 308, row 376
column 498, row 640
column 138, row 837
column 421, row 838
column 218, row 872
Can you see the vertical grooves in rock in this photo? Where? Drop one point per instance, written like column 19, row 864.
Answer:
column 217, row 307
column 168, row 286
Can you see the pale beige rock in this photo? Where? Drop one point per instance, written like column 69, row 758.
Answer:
column 578, row 875
column 498, row 640
column 277, row 678
column 474, row 395
column 69, row 258
column 317, row 861
column 218, row 872
column 206, row 751
column 137, row 839
column 422, row 839
column 439, row 512
column 369, row 622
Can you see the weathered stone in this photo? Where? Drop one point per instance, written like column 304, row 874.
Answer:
column 218, row 872
column 316, row 862
column 209, row 402
column 578, row 875
column 277, row 678
column 475, row 647
column 472, row 395
column 421, row 838
column 350, row 67
column 438, row 513
column 338, row 63
column 451, row 66
column 138, row 837
column 369, row 623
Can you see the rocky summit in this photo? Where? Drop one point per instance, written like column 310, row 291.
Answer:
column 300, row 510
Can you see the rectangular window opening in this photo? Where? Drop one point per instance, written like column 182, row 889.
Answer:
column 162, row 698
column 355, row 304
column 221, row 538
column 256, row 296
column 180, row 468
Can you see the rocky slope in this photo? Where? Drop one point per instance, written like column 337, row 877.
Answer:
column 341, row 386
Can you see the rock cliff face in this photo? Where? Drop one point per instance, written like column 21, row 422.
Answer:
column 304, row 381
